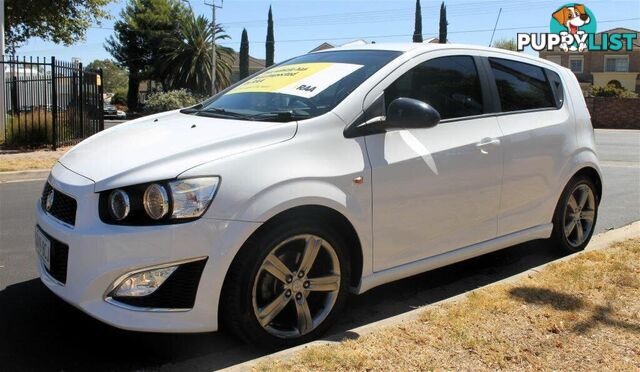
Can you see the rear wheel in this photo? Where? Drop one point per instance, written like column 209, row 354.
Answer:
column 575, row 216
column 287, row 285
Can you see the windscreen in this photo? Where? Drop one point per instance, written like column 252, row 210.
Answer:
column 300, row 88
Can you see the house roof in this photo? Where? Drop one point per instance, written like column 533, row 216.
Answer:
column 356, row 42
column 360, row 43
column 254, row 63
column 322, row 46
column 326, row 45
column 619, row 30
column 401, row 47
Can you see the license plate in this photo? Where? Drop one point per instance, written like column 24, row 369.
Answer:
column 43, row 247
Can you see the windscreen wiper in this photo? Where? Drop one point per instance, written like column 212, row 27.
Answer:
column 219, row 112
column 280, row 116
column 192, row 110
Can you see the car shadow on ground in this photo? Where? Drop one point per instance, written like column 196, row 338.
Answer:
column 38, row 331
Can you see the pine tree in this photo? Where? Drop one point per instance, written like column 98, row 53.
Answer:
column 270, row 45
column 417, row 32
column 244, row 54
column 139, row 34
column 442, row 36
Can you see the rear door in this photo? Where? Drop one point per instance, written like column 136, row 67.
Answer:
column 538, row 137
column 435, row 189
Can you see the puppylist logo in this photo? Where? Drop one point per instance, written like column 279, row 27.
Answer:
column 573, row 29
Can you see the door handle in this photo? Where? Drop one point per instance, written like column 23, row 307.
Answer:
column 488, row 141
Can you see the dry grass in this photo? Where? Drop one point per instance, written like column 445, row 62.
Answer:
column 580, row 314
column 39, row 159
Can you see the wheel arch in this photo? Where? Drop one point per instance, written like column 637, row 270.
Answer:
column 326, row 215
column 592, row 174
column 584, row 161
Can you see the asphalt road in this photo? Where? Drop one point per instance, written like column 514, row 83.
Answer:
column 40, row 332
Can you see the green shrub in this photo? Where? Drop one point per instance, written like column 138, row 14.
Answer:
column 610, row 91
column 35, row 128
column 29, row 128
column 119, row 98
column 172, row 100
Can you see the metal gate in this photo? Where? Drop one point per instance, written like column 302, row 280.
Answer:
column 49, row 102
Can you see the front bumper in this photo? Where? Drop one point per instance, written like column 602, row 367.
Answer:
column 99, row 254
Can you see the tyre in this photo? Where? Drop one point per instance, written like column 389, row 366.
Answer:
column 575, row 216
column 287, row 285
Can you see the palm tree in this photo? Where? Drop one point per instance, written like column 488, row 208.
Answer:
column 185, row 61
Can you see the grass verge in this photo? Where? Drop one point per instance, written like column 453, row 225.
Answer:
column 578, row 314
column 39, row 159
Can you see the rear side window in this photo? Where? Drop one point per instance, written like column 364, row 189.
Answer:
column 450, row 84
column 521, row 86
column 556, row 85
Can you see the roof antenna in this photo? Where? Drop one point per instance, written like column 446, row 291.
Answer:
column 494, row 27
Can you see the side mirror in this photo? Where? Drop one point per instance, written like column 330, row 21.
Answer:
column 411, row 113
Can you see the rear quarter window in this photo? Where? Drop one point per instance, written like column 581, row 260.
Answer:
column 556, row 86
column 521, row 86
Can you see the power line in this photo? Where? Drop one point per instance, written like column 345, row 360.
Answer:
column 402, row 35
column 385, row 15
column 388, row 15
column 466, row 8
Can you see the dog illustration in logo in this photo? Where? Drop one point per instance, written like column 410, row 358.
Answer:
column 572, row 17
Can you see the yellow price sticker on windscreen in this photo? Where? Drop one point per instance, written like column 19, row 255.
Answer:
column 302, row 79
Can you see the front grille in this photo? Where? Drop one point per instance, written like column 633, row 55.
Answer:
column 177, row 292
column 59, row 258
column 63, row 207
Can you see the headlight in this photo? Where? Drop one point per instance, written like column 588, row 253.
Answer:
column 171, row 201
column 119, row 205
column 156, row 201
column 192, row 196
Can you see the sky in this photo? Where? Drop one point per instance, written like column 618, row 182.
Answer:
column 301, row 25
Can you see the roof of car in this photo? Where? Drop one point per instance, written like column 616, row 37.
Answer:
column 417, row 47
column 404, row 47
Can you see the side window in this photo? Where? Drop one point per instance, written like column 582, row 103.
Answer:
column 556, row 85
column 521, row 86
column 450, row 84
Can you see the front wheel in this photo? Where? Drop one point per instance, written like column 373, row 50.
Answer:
column 287, row 285
column 575, row 216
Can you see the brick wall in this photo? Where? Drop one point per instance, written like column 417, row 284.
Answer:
column 614, row 113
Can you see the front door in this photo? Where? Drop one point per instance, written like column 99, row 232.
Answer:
column 436, row 189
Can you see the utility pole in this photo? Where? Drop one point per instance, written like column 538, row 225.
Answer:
column 213, row 42
column 3, row 87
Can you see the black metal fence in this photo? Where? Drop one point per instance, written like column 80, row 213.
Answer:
column 49, row 102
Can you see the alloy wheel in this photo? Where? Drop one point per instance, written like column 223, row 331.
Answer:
column 579, row 215
column 296, row 286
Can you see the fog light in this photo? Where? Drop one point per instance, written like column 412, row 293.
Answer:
column 143, row 283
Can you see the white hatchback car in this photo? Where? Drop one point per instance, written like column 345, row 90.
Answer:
column 332, row 172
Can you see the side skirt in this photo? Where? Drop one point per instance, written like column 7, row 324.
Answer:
column 461, row 254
